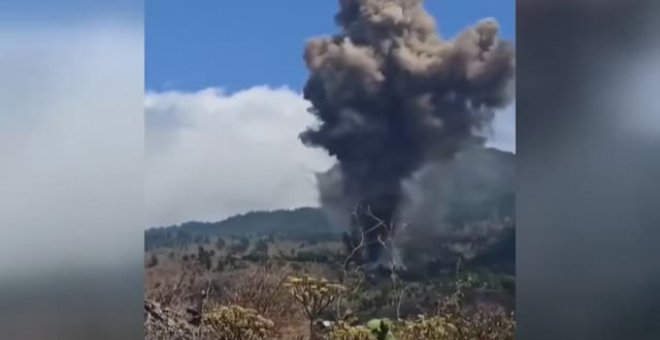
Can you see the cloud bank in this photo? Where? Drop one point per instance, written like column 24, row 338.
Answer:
column 211, row 155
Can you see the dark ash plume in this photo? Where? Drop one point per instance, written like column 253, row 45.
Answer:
column 391, row 95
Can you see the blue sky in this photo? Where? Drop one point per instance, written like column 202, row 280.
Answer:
column 38, row 13
column 235, row 45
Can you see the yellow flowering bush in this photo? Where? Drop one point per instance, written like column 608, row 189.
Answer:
column 237, row 323
column 483, row 323
column 315, row 295
column 436, row 328
column 343, row 331
column 376, row 329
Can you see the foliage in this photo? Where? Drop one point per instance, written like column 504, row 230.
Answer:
column 256, row 257
column 261, row 247
column 317, row 257
column 314, row 295
column 201, row 239
column 238, row 323
column 484, row 323
column 242, row 245
column 204, row 257
column 270, row 292
column 452, row 322
column 343, row 331
column 436, row 328
column 376, row 329
column 488, row 324
column 381, row 329
column 260, row 289
column 253, row 276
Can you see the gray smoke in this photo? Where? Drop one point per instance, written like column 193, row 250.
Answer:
column 464, row 205
column 474, row 186
column 392, row 96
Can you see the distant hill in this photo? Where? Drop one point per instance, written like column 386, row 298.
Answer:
column 296, row 224
column 478, row 185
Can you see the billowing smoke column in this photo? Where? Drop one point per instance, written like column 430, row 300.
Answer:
column 390, row 96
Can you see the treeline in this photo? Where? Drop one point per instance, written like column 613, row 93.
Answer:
column 303, row 224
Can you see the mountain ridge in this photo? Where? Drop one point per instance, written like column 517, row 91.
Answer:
column 470, row 174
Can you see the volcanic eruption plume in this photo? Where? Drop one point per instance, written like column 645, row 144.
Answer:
column 390, row 96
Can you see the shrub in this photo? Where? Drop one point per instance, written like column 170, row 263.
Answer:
column 205, row 257
column 436, row 328
column 237, row 323
column 262, row 290
column 381, row 329
column 343, row 331
column 314, row 295
column 488, row 324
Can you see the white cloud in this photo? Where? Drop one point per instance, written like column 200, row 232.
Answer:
column 211, row 155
